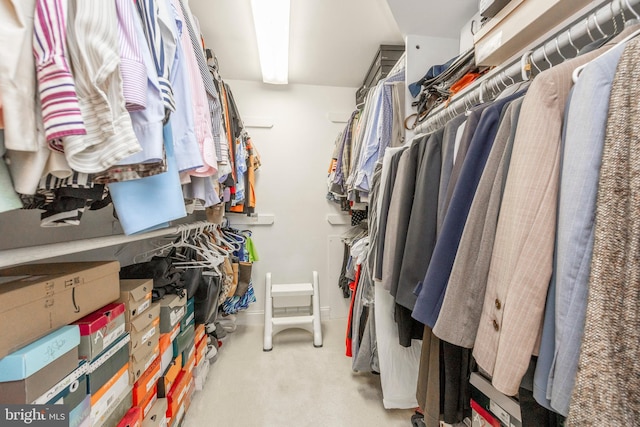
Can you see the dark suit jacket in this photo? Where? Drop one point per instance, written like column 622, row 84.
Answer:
column 433, row 287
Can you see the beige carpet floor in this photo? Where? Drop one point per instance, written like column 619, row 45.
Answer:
column 294, row 385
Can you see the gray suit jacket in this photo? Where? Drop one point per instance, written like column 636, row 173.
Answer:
column 399, row 213
column 460, row 312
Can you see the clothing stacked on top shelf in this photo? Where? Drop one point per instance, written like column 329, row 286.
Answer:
column 114, row 100
column 490, row 229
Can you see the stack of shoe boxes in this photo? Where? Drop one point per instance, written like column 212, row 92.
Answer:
column 173, row 312
column 39, row 352
column 178, row 396
column 33, row 374
column 104, row 344
column 98, row 345
column 202, row 362
column 143, row 323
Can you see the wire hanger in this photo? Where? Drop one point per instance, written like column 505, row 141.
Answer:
column 564, row 58
column 577, row 71
column 571, row 42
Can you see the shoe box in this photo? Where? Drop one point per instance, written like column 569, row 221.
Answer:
column 51, row 296
column 133, row 418
column 157, row 416
column 491, row 406
column 172, row 310
column 100, row 329
column 30, row 372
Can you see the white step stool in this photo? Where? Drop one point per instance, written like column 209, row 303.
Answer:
column 311, row 322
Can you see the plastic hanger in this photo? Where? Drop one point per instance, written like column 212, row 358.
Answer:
column 525, row 65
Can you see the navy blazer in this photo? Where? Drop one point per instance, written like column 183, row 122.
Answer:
column 431, row 290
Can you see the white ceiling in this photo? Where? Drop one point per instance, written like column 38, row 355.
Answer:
column 332, row 41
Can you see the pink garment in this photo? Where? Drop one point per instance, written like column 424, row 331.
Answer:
column 201, row 115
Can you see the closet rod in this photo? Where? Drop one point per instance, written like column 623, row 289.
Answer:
column 496, row 79
column 10, row 257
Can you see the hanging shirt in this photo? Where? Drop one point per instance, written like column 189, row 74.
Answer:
column 147, row 122
column 187, row 152
column 9, row 200
column 202, row 117
column 93, row 45
column 207, row 79
column 60, row 108
column 17, row 75
column 148, row 10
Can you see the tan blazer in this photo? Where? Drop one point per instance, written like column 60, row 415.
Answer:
column 512, row 313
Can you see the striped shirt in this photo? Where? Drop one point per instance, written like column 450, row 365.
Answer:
column 60, row 109
column 148, row 10
column 93, row 49
column 132, row 68
column 212, row 95
column 202, row 116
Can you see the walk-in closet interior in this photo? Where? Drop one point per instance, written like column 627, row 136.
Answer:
column 319, row 213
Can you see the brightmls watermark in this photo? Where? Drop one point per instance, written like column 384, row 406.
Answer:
column 34, row 415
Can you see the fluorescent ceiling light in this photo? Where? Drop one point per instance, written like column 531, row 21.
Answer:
column 271, row 20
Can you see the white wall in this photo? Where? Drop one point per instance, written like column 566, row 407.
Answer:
column 291, row 185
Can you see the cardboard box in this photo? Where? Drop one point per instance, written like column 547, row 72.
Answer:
column 200, row 374
column 190, row 364
column 157, row 417
column 190, row 392
column 141, row 360
column 184, row 341
column 172, row 310
column 105, row 400
column 29, row 372
column 107, row 364
column 144, row 327
column 176, row 421
column 166, row 381
column 50, row 296
column 189, row 356
column 200, row 333
column 176, row 395
column 189, row 316
column 133, row 418
column 166, row 347
column 80, row 415
column 100, row 329
column 119, row 408
column 201, row 350
column 68, row 391
column 146, row 382
column 136, row 295
column 148, row 402
column 480, row 417
column 74, row 394
column 501, row 407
